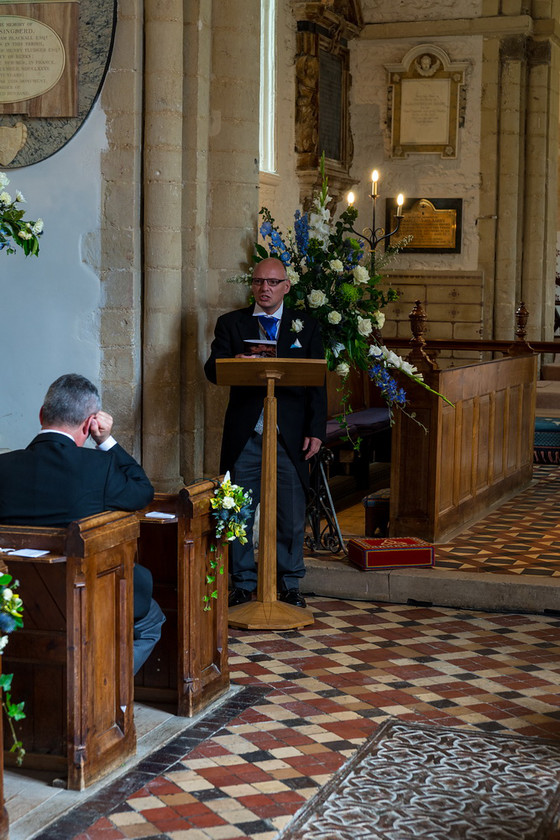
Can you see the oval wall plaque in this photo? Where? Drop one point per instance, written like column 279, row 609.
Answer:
column 43, row 54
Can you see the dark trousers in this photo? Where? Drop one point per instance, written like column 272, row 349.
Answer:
column 290, row 519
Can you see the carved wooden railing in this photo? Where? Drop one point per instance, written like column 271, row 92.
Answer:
column 423, row 349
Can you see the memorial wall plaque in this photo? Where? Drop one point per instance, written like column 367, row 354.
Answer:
column 433, row 224
column 53, row 59
column 426, row 102
column 38, row 58
column 330, row 103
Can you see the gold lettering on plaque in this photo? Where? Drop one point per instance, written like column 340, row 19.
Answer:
column 32, row 58
column 430, row 228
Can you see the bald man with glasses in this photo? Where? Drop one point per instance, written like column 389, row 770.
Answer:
column 301, row 424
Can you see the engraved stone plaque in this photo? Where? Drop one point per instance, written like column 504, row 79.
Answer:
column 434, row 224
column 426, row 102
column 32, row 58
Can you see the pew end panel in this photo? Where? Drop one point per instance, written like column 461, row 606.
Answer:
column 188, row 668
column 72, row 661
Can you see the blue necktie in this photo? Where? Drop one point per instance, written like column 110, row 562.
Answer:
column 269, row 325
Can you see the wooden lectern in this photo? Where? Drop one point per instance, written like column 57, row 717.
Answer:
column 267, row 613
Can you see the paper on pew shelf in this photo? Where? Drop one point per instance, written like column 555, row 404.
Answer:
column 25, row 552
column 156, row 514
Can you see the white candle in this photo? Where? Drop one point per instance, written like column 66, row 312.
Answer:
column 400, row 202
column 374, row 180
column 350, row 198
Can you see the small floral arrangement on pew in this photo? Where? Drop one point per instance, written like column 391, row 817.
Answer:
column 13, row 229
column 11, row 608
column 231, row 508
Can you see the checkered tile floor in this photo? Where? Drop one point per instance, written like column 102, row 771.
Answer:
column 522, row 537
column 310, row 697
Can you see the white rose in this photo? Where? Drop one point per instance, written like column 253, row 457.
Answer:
column 342, row 369
column 228, row 502
column 364, row 326
column 7, row 594
column 360, row 274
column 336, row 265
column 316, row 298
column 293, row 276
column 297, row 325
column 38, row 227
column 378, row 319
column 334, row 317
column 4, row 180
column 3, row 643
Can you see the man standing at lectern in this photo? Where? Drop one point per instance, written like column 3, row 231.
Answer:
column 301, row 425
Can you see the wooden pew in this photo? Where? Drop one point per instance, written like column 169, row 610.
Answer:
column 72, row 661
column 188, row 668
column 475, row 454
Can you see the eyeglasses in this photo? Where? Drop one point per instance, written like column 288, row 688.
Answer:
column 272, row 281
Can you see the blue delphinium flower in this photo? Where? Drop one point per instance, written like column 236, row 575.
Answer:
column 301, row 228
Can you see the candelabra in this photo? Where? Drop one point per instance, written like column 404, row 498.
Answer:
column 373, row 236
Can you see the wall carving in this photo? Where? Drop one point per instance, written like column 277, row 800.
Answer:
column 322, row 92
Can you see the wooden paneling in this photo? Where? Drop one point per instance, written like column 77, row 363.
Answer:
column 475, row 453
column 72, row 661
column 189, row 666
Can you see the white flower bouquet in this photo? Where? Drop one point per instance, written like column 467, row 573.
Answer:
column 13, row 229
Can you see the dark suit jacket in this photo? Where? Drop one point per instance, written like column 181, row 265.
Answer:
column 54, row 482
column 301, row 411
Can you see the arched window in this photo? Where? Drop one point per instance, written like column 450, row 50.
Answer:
column 267, row 123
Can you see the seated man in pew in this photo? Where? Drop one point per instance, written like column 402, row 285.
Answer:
column 56, row 480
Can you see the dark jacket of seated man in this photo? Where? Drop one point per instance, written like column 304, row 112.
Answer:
column 55, row 480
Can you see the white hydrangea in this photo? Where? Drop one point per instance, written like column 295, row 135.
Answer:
column 378, row 319
column 293, row 276
column 5, row 198
column 360, row 274
column 316, row 298
column 334, row 317
column 364, row 325
column 4, row 180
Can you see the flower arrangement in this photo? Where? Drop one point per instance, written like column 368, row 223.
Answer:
column 11, row 608
column 13, row 229
column 325, row 266
column 231, row 508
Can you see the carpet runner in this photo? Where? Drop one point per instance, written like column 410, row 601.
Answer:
column 437, row 783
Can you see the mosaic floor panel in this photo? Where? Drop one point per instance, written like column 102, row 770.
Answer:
column 311, row 698
column 438, row 783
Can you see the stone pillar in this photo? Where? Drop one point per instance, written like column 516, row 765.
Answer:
column 509, row 188
column 120, row 265
column 162, row 183
column 540, row 192
column 233, row 177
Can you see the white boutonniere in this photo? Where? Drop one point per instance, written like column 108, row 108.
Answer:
column 297, row 325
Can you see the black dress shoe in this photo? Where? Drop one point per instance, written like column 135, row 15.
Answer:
column 293, row 597
column 239, row 596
